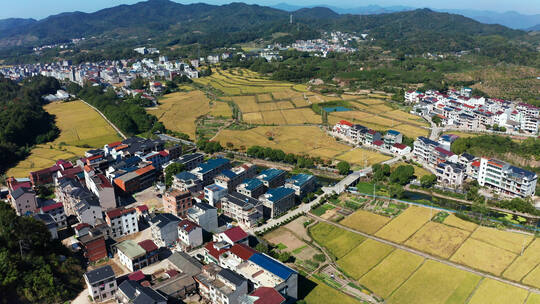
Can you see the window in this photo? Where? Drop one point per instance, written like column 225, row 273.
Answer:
column 111, row 285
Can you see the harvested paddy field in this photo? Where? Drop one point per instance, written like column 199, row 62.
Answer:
column 510, row 241
column 524, row 263
column 405, row 225
column 438, row 239
column 363, row 157
column 483, row 256
column 365, row 221
column 454, row 221
column 309, row 140
column 80, row 127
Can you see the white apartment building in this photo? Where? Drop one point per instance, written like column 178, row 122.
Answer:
column 506, row 179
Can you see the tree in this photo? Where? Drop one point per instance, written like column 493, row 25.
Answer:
column 427, row 181
column 284, row 256
column 343, row 167
column 402, row 174
column 171, row 171
column 395, row 190
column 436, row 120
column 262, row 247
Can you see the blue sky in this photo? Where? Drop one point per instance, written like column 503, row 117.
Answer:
column 42, row 8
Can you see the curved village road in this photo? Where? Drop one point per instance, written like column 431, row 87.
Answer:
column 428, row 256
column 106, row 119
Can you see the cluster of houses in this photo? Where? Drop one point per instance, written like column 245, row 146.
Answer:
column 391, row 142
column 458, row 108
column 452, row 170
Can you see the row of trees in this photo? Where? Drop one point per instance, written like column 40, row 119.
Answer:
column 128, row 116
column 278, row 155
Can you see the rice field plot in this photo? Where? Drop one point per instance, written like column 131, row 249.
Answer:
column 80, row 125
column 351, row 116
column 246, row 103
column 220, row 109
column 324, row 294
column 299, row 102
column 264, row 98
column 435, row 283
column 406, row 118
column 365, row 221
column 405, row 225
column 379, row 121
column 454, row 221
column 524, row 263
column 287, row 94
column 300, row 116
column 273, row 118
column 370, row 101
column 494, row 292
column 483, row 256
column 43, row 156
column 389, row 274
column 363, row 157
column 533, row 298
column 510, row 241
column 411, row 131
column 336, row 240
column 364, row 257
column 381, row 109
column 180, row 111
column 310, row 140
column 226, row 89
column 438, row 239
column 533, row 278
column 253, row 118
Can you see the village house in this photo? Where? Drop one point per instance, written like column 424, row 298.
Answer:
column 302, row 184
column 246, row 210
column 231, row 236
column 101, row 283
column 204, row 215
column 55, row 210
column 213, row 194
column 177, row 202
column 277, row 201
column 252, row 187
column 190, row 235
column 134, row 256
column 221, row 286
column 272, row 178
column 164, row 229
column 23, row 200
column 122, row 221
column 206, row 171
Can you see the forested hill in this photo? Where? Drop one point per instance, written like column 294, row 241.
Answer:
column 169, row 23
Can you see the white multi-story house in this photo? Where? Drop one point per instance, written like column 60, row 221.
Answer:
column 506, row 179
column 122, row 221
column 189, row 235
column 101, row 283
column 450, row 174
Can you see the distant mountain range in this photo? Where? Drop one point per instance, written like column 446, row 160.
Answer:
column 511, row 19
column 164, row 23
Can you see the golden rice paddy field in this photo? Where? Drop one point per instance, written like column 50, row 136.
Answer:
column 79, row 126
column 363, row 157
column 179, row 111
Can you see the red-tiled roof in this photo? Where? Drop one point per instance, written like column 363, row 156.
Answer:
column 163, row 153
column 148, row 245
column 400, row 146
column 120, row 147
column 267, row 295
column 236, row 234
column 142, row 208
column 118, row 212
column 52, row 207
column 242, row 251
column 213, row 251
column 344, row 122
column 187, row 225
column 91, row 158
column 114, row 144
column 136, row 276
column 476, row 163
column 144, row 170
column 172, row 273
column 378, row 143
column 444, row 151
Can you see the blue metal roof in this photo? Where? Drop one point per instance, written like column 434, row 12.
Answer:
column 228, row 173
column 272, row 265
column 279, row 193
column 300, row 179
column 252, row 184
column 392, row 132
column 212, row 164
column 270, row 174
column 184, row 175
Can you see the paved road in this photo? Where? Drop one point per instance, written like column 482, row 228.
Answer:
column 112, row 125
column 428, row 256
column 174, row 139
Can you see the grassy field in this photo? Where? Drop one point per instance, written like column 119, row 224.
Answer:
column 324, row 294
column 405, row 225
column 418, row 171
column 483, row 256
column 494, row 292
column 179, row 111
column 364, row 257
column 79, row 126
column 438, row 239
column 436, row 283
column 338, row 241
column 391, row 272
column 309, row 140
column 365, row 221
